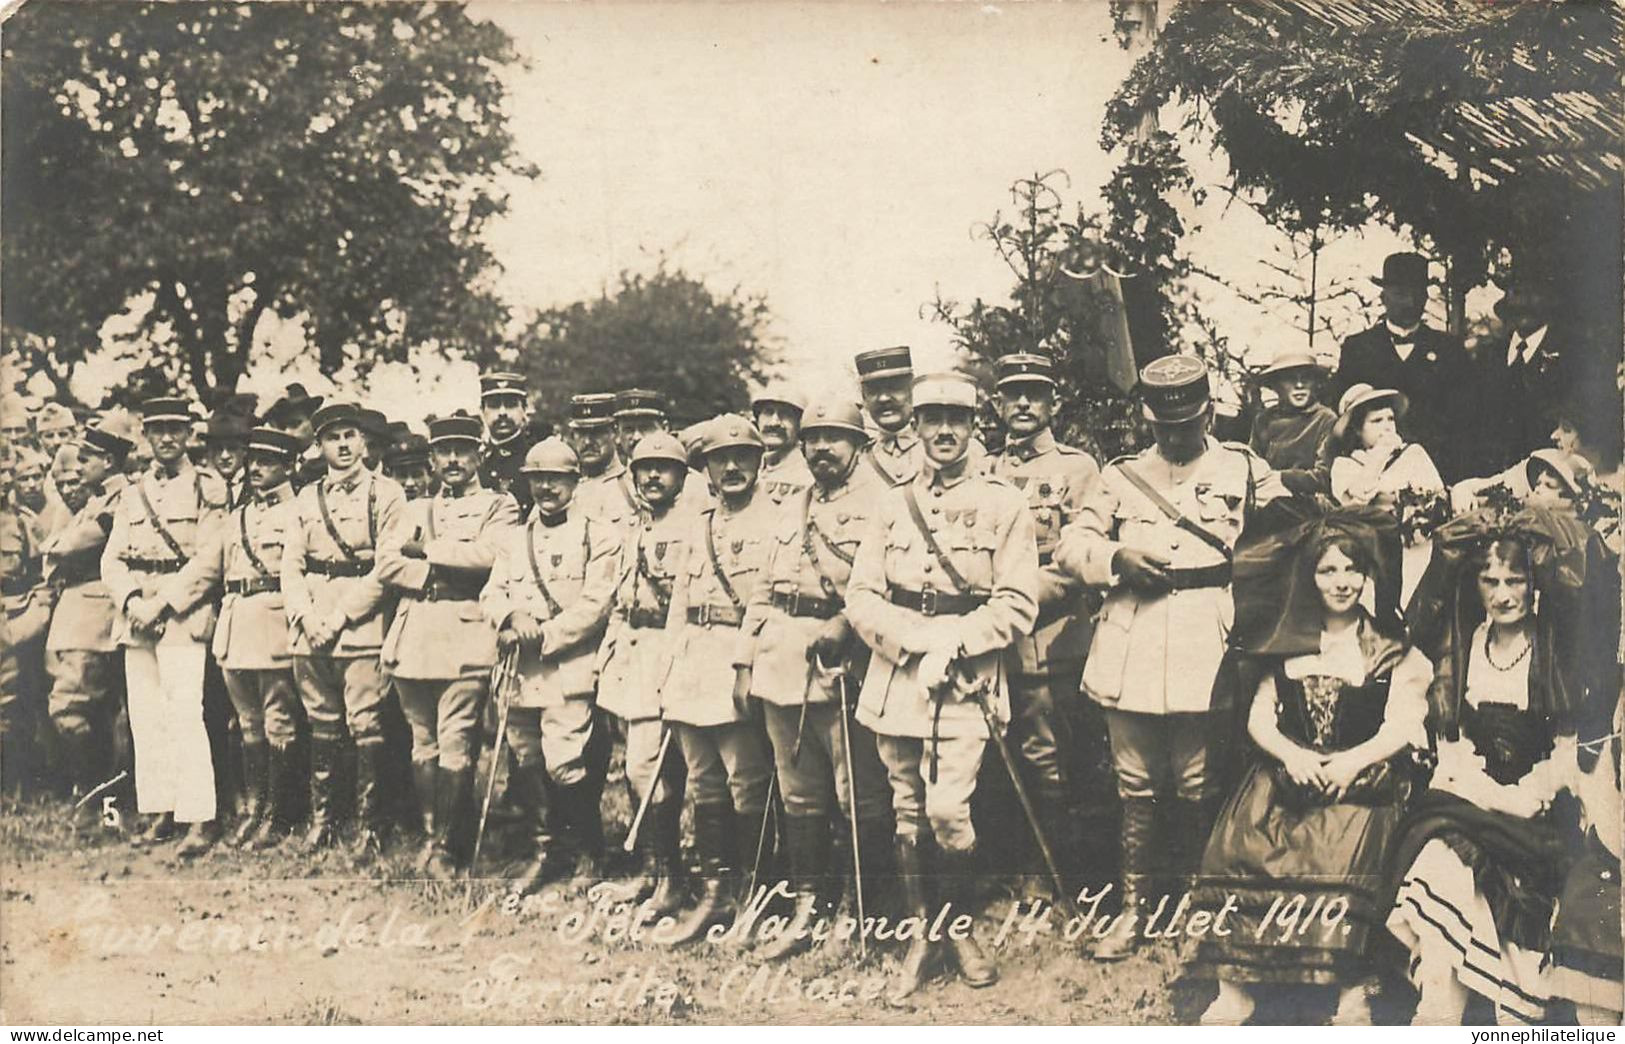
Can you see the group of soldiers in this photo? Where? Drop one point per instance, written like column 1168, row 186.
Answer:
column 813, row 624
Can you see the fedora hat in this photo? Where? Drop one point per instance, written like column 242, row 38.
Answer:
column 1292, row 359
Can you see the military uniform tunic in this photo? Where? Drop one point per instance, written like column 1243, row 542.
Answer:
column 341, row 684
column 982, row 525
column 243, row 557
column 785, row 479
column 499, row 468
column 79, row 648
column 27, row 606
column 144, row 556
column 576, row 559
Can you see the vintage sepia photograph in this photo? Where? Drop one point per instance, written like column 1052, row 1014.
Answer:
column 1104, row 513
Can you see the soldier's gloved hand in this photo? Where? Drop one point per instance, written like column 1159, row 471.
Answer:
column 528, row 628
column 413, row 549
column 316, row 632
column 143, row 613
column 507, row 638
column 830, row 644
column 1142, row 570
column 934, row 667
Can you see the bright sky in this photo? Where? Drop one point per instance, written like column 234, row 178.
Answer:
column 832, row 156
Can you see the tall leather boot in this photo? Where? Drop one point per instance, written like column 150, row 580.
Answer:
column 958, row 886
column 643, row 880
column 256, row 792
column 583, row 823
column 453, row 790
column 370, row 814
column 423, row 784
column 1139, row 825
column 712, row 824
column 919, row 962
column 1188, row 832
column 282, row 775
column 667, row 838
column 531, row 789
column 809, row 842
column 324, row 761
column 78, row 749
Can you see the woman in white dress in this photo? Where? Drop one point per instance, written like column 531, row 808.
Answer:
column 1375, row 466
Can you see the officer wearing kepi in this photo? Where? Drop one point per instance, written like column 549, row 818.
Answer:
column 886, row 376
column 549, row 596
column 779, row 410
column 795, row 637
column 337, row 606
column 638, row 413
column 440, row 650
column 159, row 523
column 1157, row 534
column 80, row 651
column 945, row 579
column 244, row 558
column 505, row 409
column 592, row 436
column 1044, row 666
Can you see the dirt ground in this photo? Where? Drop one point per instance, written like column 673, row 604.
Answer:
column 99, row 932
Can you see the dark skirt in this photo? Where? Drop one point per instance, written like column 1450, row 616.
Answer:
column 1586, row 947
column 1271, row 848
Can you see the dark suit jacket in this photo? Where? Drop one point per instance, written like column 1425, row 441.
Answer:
column 1436, row 378
column 1516, row 404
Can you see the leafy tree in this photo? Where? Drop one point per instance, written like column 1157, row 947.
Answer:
column 1490, row 131
column 666, row 331
column 202, row 164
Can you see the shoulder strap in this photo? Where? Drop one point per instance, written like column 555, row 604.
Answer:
column 716, row 566
column 248, row 549
column 430, row 510
column 874, row 462
column 553, row 607
column 158, row 523
column 931, row 541
column 807, row 529
column 1178, row 517
column 332, row 530
column 372, row 514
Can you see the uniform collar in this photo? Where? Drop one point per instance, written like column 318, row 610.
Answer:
column 474, row 486
column 947, row 476
column 550, row 521
column 331, row 481
column 184, row 471
column 275, row 495
column 1037, row 446
column 900, row 441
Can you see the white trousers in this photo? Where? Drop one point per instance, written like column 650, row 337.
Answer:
column 173, row 771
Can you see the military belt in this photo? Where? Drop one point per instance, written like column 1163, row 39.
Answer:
column 448, row 589
column 74, row 569
column 797, row 604
column 715, row 615
column 155, row 565
column 331, row 567
column 1217, row 575
column 646, row 618
column 254, row 585
column 935, row 603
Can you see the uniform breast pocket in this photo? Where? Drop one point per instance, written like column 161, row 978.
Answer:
column 899, row 549
column 744, row 556
column 182, row 527
column 972, row 551
column 1218, row 501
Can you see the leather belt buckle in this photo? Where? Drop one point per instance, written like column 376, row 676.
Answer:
column 928, row 601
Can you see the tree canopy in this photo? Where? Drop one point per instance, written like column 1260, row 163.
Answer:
column 1493, row 131
column 203, row 164
column 665, row 331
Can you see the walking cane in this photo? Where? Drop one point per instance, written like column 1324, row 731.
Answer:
column 839, row 674
column 503, row 680
column 761, row 837
column 978, row 692
column 649, row 794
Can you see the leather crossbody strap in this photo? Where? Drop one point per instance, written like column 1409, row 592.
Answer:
column 931, row 541
column 716, row 565
column 1179, row 518
column 248, row 549
column 553, row 607
column 158, row 523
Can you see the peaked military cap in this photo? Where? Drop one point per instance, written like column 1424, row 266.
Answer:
column 457, row 427
column 639, row 402
column 275, row 441
column 1019, row 367
column 162, row 408
column 951, row 388
column 884, row 362
column 336, row 413
column 1174, row 388
column 503, row 383
column 592, row 410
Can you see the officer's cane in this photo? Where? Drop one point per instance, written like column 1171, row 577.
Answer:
column 978, row 692
column 503, row 679
column 649, row 794
column 839, row 673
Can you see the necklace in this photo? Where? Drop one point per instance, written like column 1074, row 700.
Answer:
column 1527, row 645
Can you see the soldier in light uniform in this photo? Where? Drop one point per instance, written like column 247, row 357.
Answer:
column 1157, row 534
column 945, row 579
column 160, row 522
column 505, row 409
column 886, row 377
column 637, row 653
column 638, row 413
column 337, row 607
column 550, row 594
column 723, row 746
column 1044, row 666
column 27, row 612
column 592, row 436
column 778, row 411
column 243, row 558
column 440, row 650
column 795, row 616
column 15, row 428
column 80, row 652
